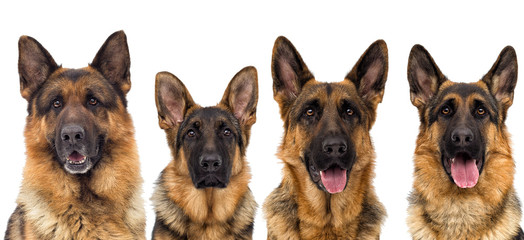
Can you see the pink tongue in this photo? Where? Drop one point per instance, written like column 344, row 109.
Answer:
column 334, row 179
column 464, row 172
column 76, row 157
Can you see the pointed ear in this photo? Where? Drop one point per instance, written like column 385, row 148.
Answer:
column 112, row 60
column 172, row 100
column 502, row 78
column 289, row 73
column 424, row 76
column 370, row 73
column 241, row 96
column 35, row 65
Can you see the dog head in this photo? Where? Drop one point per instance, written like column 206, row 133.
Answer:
column 327, row 124
column 208, row 143
column 462, row 120
column 74, row 109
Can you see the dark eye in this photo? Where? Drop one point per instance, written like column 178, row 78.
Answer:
column 481, row 111
column 93, row 101
column 350, row 112
column 445, row 110
column 57, row 103
column 310, row 112
column 227, row 132
column 191, row 133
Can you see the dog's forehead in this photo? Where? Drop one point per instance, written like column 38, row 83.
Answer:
column 465, row 92
column 328, row 91
column 210, row 116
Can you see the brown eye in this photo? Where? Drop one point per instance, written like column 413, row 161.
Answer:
column 227, row 132
column 191, row 133
column 445, row 110
column 350, row 112
column 310, row 112
column 57, row 103
column 93, row 101
column 481, row 111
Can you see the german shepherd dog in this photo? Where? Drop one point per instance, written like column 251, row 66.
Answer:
column 203, row 192
column 463, row 186
column 82, row 174
column 326, row 191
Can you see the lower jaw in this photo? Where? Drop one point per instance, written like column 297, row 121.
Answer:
column 78, row 168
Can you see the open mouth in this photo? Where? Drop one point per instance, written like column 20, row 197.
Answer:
column 463, row 169
column 334, row 179
column 75, row 158
column 77, row 163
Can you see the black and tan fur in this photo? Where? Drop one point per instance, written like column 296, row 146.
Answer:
column 466, row 119
column 203, row 193
column 326, row 127
column 82, row 175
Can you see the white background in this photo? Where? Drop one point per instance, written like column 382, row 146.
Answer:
column 205, row 43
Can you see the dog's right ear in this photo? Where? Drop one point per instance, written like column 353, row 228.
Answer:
column 289, row 73
column 172, row 100
column 424, row 76
column 35, row 65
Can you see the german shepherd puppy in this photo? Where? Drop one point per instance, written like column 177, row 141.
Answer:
column 82, row 174
column 326, row 191
column 203, row 192
column 463, row 186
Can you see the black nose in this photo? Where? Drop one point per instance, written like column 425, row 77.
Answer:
column 72, row 134
column 334, row 146
column 210, row 162
column 462, row 137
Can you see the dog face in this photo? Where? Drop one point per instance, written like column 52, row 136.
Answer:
column 209, row 143
column 327, row 124
column 75, row 109
column 462, row 120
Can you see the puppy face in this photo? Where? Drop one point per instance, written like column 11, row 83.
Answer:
column 208, row 143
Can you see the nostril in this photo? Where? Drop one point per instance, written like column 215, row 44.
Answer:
column 79, row 136
column 342, row 149
column 216, row 164
column 468, row 139
column 329, row 150
column 65, row 137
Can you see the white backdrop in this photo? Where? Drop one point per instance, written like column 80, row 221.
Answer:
column 205, row 43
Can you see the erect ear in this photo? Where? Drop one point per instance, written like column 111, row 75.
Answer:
column 172, row 100
column 502, row 78
column 112, row 60
column 370, row 73
column 424, row 76
column 289, row 73
column 35, row 65
column 241, row 96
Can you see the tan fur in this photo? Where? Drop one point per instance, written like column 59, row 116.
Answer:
column 299, row 208
column 186, row 212
column 104, row 203
column 440, row 210
column 52, row 199
column 339, row 216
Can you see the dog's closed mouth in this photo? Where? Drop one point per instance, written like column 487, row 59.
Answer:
column 464, row 169
column 76, row 158
column 334, row 179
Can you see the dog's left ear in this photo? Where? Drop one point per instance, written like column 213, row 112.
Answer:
column 112, row 60
column 502, row 78
column 241, row 96
column 370, row 73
